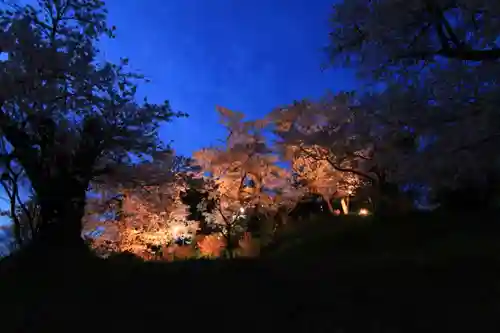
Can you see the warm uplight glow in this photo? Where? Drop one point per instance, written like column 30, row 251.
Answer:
column 363, row 212
column 242, row 210
column 176, row 229
column 157, row 238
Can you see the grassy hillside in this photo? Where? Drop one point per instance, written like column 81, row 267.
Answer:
column 417, row 238
column 414, row 274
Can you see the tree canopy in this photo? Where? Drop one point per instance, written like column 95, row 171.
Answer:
column 382, row 36
column 68, row 117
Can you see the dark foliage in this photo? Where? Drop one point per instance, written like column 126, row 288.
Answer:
column 309, row 206
column 193, row 198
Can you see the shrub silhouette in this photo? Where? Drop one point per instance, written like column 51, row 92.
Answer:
column 249, row 246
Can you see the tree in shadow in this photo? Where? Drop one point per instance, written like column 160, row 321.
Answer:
column 69, row 118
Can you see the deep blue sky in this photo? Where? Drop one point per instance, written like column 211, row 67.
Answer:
column 250, row 56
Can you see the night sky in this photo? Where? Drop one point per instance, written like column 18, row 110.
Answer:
column 249, row 56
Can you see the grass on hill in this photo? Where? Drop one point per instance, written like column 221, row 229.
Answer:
column 420, row 273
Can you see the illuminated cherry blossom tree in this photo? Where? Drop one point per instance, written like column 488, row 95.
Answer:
column 329, row 145
column 244, row 171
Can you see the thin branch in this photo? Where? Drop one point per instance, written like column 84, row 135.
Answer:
column 339, row 168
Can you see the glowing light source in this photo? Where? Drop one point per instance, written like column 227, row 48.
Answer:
column 176, row 229
column 242, row 210
column 363, row 212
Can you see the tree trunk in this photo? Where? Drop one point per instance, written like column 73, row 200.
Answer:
column 229, row 240
column 17, row 223
column 62, row 211
column 329, row 205
column 345, row 205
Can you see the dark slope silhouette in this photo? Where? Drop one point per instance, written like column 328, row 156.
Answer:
column 426, row 275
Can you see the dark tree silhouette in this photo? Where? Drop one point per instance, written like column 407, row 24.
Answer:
column 69, row 118
column 389, row 33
